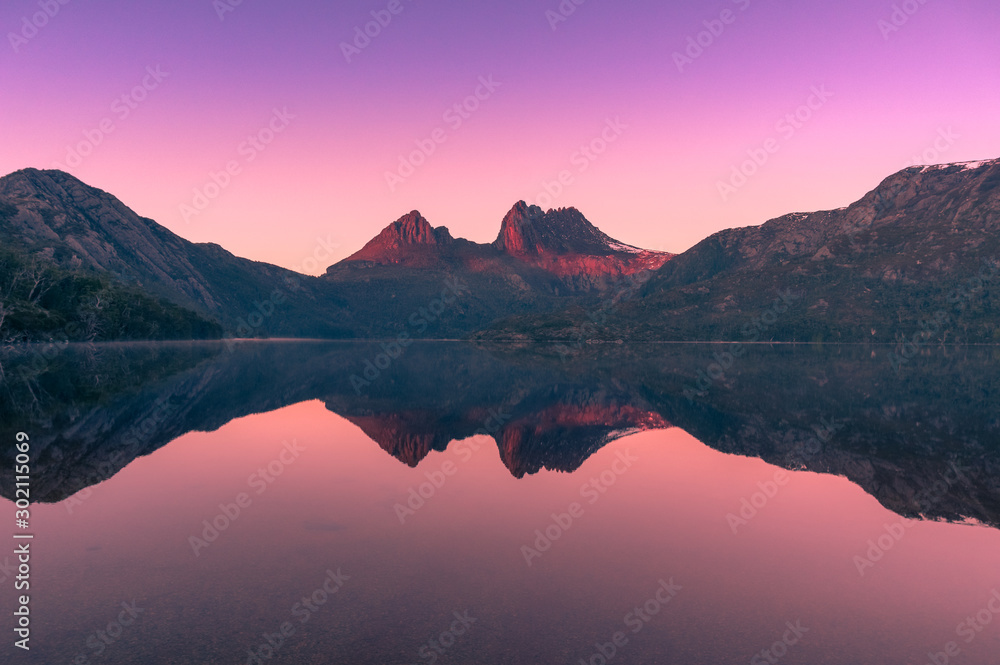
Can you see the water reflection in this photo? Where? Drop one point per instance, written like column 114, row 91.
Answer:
column 923, row 441
column 243, row 501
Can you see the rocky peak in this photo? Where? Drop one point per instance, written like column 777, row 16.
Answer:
column 528, row 230
column 413, row 229
column 561, row 242
column 518, row 233
column 35, row 183
column 409, row 232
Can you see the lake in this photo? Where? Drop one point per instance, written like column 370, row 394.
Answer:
column 321, row 502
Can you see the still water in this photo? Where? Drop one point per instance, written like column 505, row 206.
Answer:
column 199, row 505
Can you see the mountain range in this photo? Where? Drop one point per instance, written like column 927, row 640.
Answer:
column 78, row 263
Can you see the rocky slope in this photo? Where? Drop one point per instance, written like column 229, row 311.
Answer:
column 379, row 292
column 546, row 250
column 410, row 240
column 923, row 244
column 78, row 226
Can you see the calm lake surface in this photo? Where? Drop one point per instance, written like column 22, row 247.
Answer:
column 195, row 503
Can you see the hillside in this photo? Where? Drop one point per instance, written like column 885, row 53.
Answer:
column 919, row 252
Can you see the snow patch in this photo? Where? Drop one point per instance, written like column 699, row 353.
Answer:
column 969, row 166
column 965, row 166
column 621, row 247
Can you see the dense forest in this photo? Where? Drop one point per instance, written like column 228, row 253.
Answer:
column 39, row 302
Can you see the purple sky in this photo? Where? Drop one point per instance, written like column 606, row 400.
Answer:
column 662, row 140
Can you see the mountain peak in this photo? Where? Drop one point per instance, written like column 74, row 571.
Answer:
column 518, row 234
column 410, row 229
column 527, row 230
column 402, row 237
column 32, row 182
column 560, row 242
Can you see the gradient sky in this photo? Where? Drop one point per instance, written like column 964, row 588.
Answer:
column 323, row 176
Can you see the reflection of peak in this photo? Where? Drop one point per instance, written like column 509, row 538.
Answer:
column 407, row 436
column 562, row 437
column 96, row 410
column 559, row 437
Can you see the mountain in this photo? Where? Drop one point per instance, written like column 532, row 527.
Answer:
column 558, row 249
column 915, row 261
column 410, row 240
column 396, row 284
column 921, row 252
column 564, row 242
column 60, row 220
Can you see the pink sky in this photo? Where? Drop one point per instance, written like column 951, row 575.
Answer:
column 655, row 185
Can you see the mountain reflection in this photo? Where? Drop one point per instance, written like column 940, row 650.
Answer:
column 923, row 441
